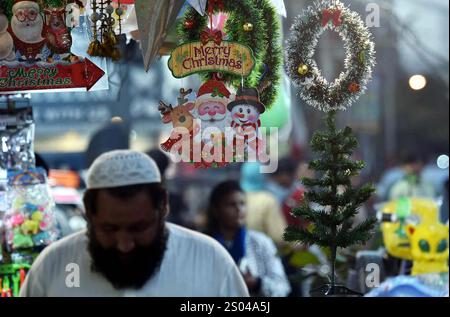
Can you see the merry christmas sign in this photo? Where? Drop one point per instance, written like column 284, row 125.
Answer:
column 213, row 56
column 35, row 49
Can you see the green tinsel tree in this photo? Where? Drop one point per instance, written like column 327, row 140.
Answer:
column 336, row 199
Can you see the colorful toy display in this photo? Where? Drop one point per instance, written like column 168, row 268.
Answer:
column 12, row 277
column 30, row 222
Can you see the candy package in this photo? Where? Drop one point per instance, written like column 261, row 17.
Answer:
column 30, row 221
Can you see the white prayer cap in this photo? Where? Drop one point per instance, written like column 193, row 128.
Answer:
column 122, row 168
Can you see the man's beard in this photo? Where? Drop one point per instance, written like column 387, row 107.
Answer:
column 138, row 267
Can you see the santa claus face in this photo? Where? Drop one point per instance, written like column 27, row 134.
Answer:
column 244, row 114
column 212, row 111
column 27, row 24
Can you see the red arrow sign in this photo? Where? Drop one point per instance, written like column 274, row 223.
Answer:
column 20, row 78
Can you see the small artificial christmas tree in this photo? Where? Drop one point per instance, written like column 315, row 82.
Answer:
column 338, row 201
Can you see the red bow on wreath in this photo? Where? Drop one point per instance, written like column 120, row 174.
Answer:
column 210, row 35
column 333, row 15
column 215, row 4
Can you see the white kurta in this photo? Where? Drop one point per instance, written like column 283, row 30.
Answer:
column 194, row 265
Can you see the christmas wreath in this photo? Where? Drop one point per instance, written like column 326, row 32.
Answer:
column 252, row 23
column 359, row 61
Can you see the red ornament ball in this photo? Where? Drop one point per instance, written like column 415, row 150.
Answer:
column 189, row 24
column 353, row 87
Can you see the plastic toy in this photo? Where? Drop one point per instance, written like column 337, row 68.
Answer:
column 14, row 273
column 429, row 247
column 399, row 213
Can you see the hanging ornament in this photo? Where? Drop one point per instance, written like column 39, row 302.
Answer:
column 303, row 69
column 353, row 88
column 189, row 24
column 359, row 57
column 104, row 38
column 93, row 49
column 263, row 37
column 248, row 27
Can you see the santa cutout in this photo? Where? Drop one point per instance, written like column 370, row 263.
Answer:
column 245, row 112
column 211, row 106
column 26, row 28
column 6, row 41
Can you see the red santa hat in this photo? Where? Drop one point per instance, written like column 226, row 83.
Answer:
column 25, row 4
column 213, row 90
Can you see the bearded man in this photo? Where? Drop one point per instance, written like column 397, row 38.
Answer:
column 129, row 249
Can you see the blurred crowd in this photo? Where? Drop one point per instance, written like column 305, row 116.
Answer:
column 248, row 212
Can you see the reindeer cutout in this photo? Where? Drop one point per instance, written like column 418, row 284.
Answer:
column 58, row 36
column 180, row 117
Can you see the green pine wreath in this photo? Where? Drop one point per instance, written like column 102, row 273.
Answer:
column 264, row 40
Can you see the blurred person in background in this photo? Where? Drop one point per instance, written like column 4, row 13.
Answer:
column 411, row 183
column 178, row 213
column 282, row 181
column 263, row 209
column 254, row 252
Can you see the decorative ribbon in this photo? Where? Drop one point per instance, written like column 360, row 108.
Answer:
column 211, row 35
column 333, row 15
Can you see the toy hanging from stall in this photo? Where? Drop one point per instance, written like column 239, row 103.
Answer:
column 239, row 64
column 35, row 48
column 105, row 19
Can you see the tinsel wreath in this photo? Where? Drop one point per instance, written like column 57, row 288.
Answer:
column 359, row 61
column 253, row 23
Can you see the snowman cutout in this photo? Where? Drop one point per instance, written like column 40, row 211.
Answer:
column 6, row 41
column 245, row 115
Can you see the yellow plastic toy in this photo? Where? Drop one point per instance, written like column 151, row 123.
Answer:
column 417, row 210
column 30, row 227
column 429, row 246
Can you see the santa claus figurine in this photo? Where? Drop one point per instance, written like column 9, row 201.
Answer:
column 26, row 27
column 6, row 41
column 211, row 105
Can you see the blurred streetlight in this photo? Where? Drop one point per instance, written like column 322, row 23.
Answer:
column 417, row 82
column 443, row 161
